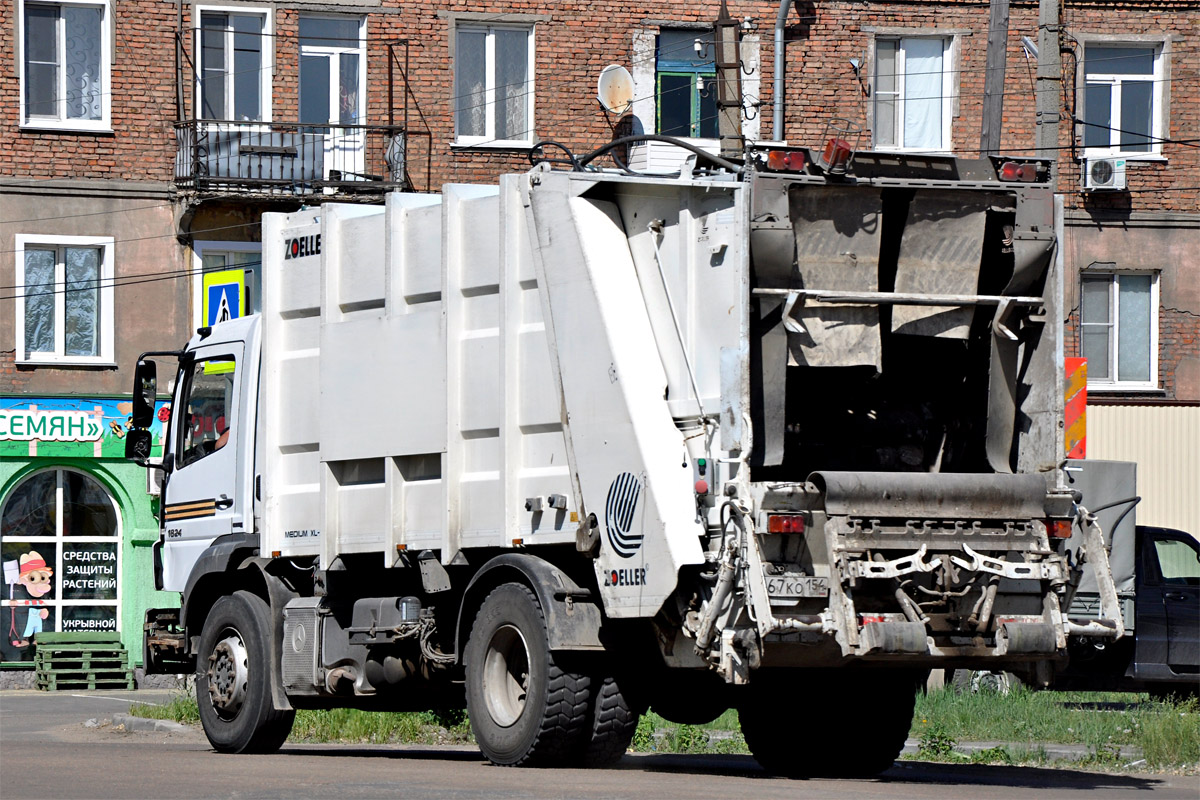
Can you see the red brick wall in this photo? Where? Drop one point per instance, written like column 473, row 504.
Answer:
column 142, row 144
column 576, row 41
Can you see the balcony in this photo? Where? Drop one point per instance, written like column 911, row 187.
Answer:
column 289, row 159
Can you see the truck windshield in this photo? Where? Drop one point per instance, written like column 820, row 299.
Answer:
column 206, row 428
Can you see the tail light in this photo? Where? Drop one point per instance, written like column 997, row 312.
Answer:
column 1058, row 528
column 1013, row 171
column 785, row 523
column 786, row 160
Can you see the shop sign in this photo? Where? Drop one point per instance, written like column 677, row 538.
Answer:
column 66, row 427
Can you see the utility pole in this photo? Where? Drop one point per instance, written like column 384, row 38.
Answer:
column 993, row 83
column 1049, row 85
column 729, row 84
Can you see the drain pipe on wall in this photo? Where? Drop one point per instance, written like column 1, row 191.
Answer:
column 777, row 86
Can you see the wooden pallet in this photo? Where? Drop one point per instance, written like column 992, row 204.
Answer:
column 83, row 660
column 66, row 680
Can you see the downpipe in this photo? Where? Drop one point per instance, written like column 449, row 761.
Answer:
column 777, row 86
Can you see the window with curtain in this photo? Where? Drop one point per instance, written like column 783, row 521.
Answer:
column 234, row 81
column 64, row 305
column 1122, row 99
column 913, row 93
column 65, row 80
column 1119, row 329
column 493, row 84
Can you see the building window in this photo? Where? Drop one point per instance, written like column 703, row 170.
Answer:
column 226, row 268
column 685, row 86
column 913, row 94
column 493, row 85
column 234, row 71
column 61, row 552
column 65, row 60
column 1119, row 329
column 1122, row 99
column 64, row 306
column 332, row 68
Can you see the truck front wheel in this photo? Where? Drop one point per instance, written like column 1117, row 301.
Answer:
column 525, row 709
column 233, row 678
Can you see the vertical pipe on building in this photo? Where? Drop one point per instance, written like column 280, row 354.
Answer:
column 179, row 62
column 777, row 85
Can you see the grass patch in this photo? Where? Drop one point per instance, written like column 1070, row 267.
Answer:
column 181, row 708
column 342, row 724
column 381, row 727
column 1167, row 732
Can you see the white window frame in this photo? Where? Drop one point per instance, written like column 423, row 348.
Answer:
column 268, row 55
column 105, row 328
column 1113, row 383
column 949, row 94
column 62, row 122
column 1158, row 112
column 199, row 248
column 333, row 52
column 488, row 139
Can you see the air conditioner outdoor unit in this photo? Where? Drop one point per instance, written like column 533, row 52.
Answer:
column 1104, row 174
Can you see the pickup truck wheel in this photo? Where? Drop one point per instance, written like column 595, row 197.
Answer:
column 525, row 709
column 613, row 720
column 232, row 678
column 854, row 725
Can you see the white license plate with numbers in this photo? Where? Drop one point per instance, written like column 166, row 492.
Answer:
column 795, row 585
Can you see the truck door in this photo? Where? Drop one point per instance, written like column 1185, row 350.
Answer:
column 1177, row 568
column 200, row 499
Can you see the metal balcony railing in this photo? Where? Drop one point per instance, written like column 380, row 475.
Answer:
column 281, row 158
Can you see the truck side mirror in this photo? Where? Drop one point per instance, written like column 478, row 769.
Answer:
column 138, row 443
column 145, row 393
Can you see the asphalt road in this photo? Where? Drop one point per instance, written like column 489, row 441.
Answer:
column 47, row 750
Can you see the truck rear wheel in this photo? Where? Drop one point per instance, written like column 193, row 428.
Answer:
column 525, row 709
column 802, row 724
column 613, row 721
column 233, row 687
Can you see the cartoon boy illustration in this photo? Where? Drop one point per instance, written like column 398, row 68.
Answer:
column 35, row 577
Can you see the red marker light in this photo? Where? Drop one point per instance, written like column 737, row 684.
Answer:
column 1058, row 528
column 785, row 523
column 785, row 160
column 1012, row 171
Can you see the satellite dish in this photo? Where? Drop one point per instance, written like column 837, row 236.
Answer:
column 614, row 90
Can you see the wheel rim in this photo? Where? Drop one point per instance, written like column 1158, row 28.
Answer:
column 506, row 675
column 991, row 682
column 228, row 671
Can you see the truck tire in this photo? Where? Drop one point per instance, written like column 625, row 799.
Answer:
column 973, row 681
column 801, row 724
column 613, row 720
column 525, row 709
column 233, row 678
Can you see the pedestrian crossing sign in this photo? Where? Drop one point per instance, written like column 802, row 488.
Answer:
column 224, row 295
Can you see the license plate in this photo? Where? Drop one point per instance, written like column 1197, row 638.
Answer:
column 791, row 585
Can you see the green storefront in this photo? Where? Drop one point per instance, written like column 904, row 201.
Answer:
column 77, row 523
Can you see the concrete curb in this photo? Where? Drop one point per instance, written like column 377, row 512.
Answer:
column 143, row 725
column 1053, row 752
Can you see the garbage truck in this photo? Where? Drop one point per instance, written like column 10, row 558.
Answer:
column 775, row 434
